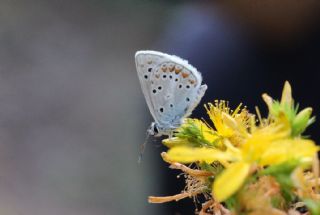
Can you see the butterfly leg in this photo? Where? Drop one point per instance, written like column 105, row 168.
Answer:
column 143, row 147
column 170, row 134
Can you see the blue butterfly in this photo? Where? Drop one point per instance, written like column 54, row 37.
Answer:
column 172, row 89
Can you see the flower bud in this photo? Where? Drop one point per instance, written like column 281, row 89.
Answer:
column 286, row 98
column 301, row 121
column 175, row 141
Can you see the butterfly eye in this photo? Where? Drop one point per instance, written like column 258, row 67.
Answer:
column 155, row 130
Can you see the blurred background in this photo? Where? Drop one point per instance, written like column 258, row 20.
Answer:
column 72, row 113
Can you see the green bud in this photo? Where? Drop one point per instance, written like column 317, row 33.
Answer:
column 301, row 121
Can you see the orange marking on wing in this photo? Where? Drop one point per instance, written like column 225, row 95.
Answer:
column 184, row 74
column 191, row 81
column 164, row 68
column 177, row 71
column 171, row 69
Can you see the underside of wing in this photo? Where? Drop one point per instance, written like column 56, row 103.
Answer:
column 172, row 87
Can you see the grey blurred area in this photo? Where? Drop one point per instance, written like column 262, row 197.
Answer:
column 72, row 115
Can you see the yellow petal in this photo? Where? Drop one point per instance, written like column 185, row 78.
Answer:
column 189, row 155
column 230, row 180
column 215, row 113
column 260, row 141
column 229, row 121
column 284, row 150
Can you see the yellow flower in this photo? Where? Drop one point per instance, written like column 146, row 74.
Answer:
column 229, row 124
column 217, row 114
column 232, row 125
column 267, row 146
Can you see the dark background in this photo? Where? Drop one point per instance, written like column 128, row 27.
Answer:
column 72, row 113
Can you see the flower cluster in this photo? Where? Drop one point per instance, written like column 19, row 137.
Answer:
column 245, row 164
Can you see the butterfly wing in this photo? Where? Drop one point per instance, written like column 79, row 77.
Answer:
column 171, row 86
column 145, row 64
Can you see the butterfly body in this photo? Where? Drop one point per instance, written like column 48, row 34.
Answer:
column 172, row 89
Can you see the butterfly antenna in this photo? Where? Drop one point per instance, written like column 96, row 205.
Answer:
column 143, row 147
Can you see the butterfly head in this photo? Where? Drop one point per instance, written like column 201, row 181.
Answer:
column 158, row 131
column 154, row 130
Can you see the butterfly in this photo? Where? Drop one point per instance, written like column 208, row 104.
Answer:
column 172, row 89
